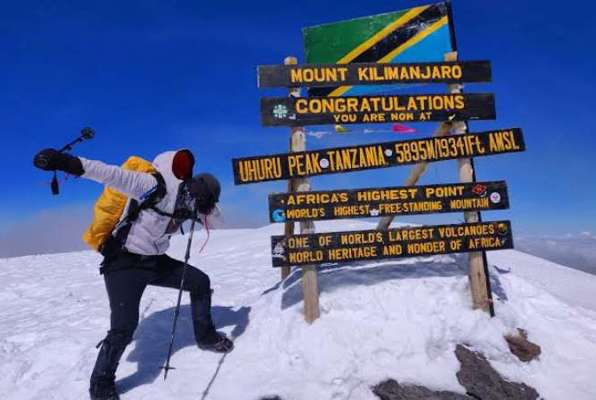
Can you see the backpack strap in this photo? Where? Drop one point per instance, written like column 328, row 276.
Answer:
column 161, row 212
column 150, row 199
column 118, row 238
column 157, row 194
column 180, row 214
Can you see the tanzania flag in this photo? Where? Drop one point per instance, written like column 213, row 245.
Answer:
column 417, row 34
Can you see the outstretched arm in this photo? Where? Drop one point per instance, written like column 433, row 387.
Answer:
column 137, row 185
column 134, row 184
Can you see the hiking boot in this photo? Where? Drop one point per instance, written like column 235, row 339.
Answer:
column 103, row 389
column 216, row 342
column 104, row 373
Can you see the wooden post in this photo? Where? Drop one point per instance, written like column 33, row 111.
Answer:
column 416, row 172
column 310, row 283
column 297, row 143
column 478, row 266
column 419, row 169
column 289, row 225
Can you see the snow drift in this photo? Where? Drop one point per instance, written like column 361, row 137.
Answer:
column 396, row 319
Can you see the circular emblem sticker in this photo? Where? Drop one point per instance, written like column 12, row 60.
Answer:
column 324, row 163
column 495, row 197
column 278, row 215
column 502, row 229
column 280, row 111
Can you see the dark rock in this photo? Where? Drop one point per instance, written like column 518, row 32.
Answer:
column 482, row 381
column 392, row 390
column 521, row 347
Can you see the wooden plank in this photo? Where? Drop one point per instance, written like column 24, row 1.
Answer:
column 478, row 266
column 297, row 143
column 384, row 201
column 375, row 109
column 325, row 75
column 373, row 156
column 288, row 231
column 417, row 171
column 310, row 285
column 310, row 282
column 339, row 247
column 478, row 269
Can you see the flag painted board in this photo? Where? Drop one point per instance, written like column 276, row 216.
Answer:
column 324, row 75
column 388, row 201
column 373, row 156
column 341, row 247
column 376, row 109
column 416, row 34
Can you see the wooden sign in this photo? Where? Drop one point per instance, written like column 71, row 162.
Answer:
column 423, row 33
column 388, row 201
column 289, row 111
column 372, row 74
column 373, row 156
column 429, row 240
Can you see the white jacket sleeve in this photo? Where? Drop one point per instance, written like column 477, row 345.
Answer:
column 134, row 184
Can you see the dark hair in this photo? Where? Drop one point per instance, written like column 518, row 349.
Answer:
column 206, row 189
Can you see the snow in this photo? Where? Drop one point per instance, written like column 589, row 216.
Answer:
column 396, row 318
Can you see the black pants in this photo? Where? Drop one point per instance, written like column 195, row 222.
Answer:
column 127, row 276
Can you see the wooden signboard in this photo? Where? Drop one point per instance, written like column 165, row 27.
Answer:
column 287, row 111
column 429, row 240
column 324, row 75
column 352, row 70
column 372, row 156
column 378, row 202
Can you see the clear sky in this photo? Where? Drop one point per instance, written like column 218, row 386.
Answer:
column 156, row 75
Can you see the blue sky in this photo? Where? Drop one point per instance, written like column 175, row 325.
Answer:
column 156, row 75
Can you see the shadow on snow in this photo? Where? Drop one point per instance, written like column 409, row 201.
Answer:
column 334, row 276
column 153, row 335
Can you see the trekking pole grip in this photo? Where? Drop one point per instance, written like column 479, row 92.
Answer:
column 87, row 133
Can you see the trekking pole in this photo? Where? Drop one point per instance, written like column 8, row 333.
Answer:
column 167, row 367
column 87, row 133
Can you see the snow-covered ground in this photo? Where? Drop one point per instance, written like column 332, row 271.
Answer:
column 399, row 319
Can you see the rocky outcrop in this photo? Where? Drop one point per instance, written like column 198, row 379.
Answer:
column 392, row 390
column 476, row 375
column 521, row 347
column 482, row 381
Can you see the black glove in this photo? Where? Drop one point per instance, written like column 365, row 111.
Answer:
column 205, row 190
column 52, row 160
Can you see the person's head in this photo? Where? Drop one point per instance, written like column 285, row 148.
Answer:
column 205, row 190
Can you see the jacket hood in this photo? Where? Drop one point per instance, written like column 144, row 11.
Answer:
column 164, row 163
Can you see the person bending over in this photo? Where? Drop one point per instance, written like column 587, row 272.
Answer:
column 134, row 253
